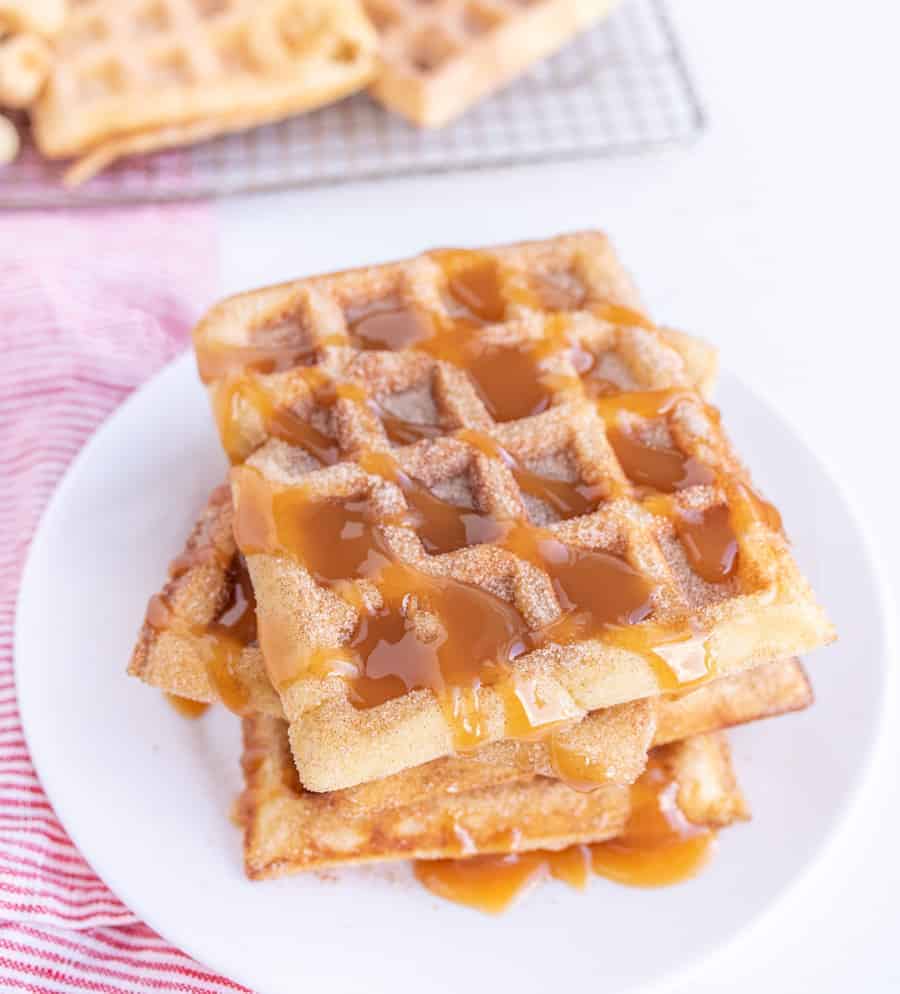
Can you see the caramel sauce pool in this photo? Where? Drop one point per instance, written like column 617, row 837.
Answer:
column 657, row 847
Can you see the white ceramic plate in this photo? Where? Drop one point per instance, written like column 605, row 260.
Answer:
column 146, row 794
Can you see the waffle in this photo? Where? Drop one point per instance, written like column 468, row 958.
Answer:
column 194, row 655
column 439, row 58
column 136, row 75
column 619, row 735
column 287, row 829
column 192, row 658
column 44, row 17
column 266, row 355
column 198, row 640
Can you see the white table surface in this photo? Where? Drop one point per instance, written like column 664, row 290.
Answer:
column 775, row 237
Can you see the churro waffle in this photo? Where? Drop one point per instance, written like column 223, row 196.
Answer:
column 570, row 531
column 439, row 58
column 192, row 652
column 138, row 75
column 611, row 736
column 198, row 642
column 287, row 829
column 203, row 647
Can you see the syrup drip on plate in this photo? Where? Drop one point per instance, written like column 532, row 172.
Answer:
column 657, row 847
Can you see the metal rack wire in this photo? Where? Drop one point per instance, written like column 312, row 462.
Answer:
column 621, row 86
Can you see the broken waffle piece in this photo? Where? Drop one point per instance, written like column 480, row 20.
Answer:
column 440, row 58
column 134, row 76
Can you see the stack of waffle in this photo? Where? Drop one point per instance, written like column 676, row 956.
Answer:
column 487, row 579
column 131, row 76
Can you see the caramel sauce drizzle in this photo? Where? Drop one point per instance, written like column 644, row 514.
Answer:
column 217, row 363
column 755, row 508
column 187, row 708
column 432, row 632
column 567, row 499
column 709, row 537
column 658, row 847
column 653, row 468
column 400, row 431
column 575, row 768
column 278, row 421
column 427, row 631
column 596, row 590
column 219, row 643
column 441, row 526
column 388, row 323
column 411, row 638
column 507, row 378
column 709, row 542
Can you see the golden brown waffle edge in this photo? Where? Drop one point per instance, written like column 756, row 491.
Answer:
column 288, row 830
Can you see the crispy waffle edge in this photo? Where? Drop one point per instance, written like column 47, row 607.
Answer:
column 287, row 830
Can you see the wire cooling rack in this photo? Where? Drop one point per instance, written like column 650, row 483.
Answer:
column 619, row 86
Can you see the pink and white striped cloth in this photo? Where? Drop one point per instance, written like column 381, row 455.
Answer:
column 91, row 305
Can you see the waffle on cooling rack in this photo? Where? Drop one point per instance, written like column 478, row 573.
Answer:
column 513, row 444
column 288, row 829
column 439, row 58
column 136, row 76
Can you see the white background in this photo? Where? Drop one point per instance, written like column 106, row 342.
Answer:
column 775, row 236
